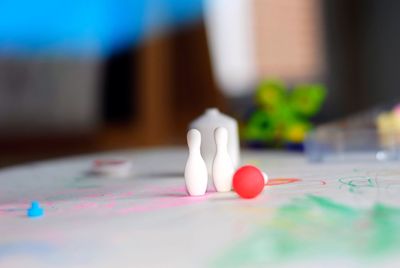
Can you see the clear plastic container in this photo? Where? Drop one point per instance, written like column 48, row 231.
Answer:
column 352, row 144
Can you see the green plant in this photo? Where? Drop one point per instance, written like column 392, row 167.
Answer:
column 283, row 115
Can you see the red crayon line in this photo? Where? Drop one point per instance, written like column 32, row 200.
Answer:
column 279, row 181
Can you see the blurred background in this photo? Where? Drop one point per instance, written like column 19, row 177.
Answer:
column 87, row 76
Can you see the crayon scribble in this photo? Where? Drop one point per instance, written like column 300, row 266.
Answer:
column 279, row 181
column 147, row 199
column 355, row 184
column 317, row 228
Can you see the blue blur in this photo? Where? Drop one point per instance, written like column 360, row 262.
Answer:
column 84, row 27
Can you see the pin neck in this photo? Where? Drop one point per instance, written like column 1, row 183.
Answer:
column 222, row 146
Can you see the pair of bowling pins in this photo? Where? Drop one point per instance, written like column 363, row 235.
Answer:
column 196, row 175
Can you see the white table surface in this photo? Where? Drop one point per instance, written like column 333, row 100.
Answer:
column 335, row 215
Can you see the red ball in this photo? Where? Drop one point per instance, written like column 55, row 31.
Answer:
column 248, row 181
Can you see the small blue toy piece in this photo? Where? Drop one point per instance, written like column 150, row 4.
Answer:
column 35, row 210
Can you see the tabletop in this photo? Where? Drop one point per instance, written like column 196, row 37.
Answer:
column 309, row 215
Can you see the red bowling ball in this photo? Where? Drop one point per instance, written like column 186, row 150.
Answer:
column 248, row 181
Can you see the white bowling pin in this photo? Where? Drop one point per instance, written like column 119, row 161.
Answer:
column 196, row 175
column 222, row 167
column 206, row 124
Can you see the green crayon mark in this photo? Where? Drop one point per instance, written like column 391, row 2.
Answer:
column 355, row 184
column 318, row 228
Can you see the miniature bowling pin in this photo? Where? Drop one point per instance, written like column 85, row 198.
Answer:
column 206, row 124
column 196, row 176
column 222, row 167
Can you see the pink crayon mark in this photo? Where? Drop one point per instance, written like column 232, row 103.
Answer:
column 125, row 195
column 159, row 189
column 95, row 195
column 109, row 205
column 48, row 203
column 175, row 191
column 85, row 205
column 323, row 182
column 109, row 195
column 120, row 195
column 163, row 203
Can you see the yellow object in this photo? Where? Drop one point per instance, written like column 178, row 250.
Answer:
column 296, row 133
column 388, row 125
